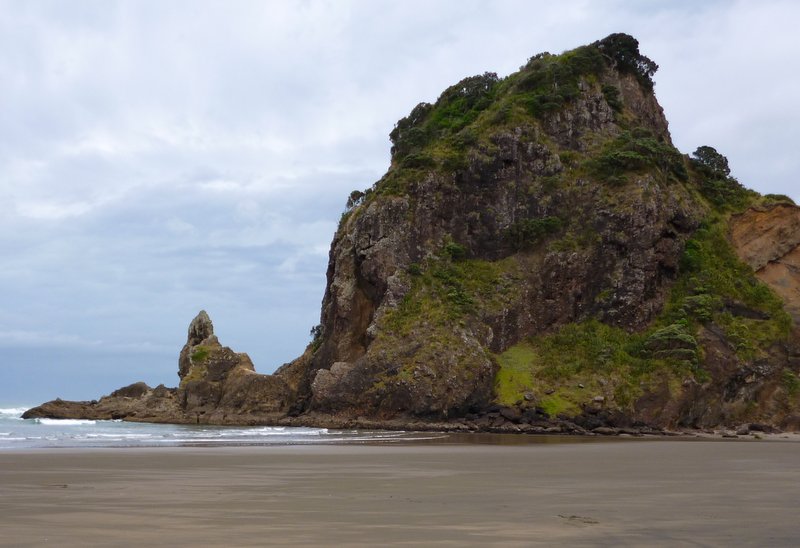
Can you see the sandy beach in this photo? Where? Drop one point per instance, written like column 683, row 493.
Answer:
column 616, row 492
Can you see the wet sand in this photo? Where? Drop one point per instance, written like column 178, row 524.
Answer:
column 635, row 493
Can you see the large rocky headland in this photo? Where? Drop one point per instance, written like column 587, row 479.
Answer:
column 538, row 257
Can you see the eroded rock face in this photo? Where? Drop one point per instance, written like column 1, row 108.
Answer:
column 761, row 386
column 201, row 332
column 769, row 241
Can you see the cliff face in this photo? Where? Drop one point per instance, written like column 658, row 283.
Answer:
column 768, row 240
column 539, row 250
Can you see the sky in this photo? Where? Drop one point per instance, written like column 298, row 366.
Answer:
column 162, row 157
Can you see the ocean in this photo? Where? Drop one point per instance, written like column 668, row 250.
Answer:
column 18, row 433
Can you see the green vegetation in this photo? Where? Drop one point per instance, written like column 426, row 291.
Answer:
column 456, row 108
column 447, row 288
column 355, row 199
column 712, row 276
column 777, row 199
column 316, row 334
column 623, row 50
column 200, row 353
column 791, row 382
column 514, row 377
column 715, row 182
column 580, row 361
column 439, row 136
column 197, row 372
column 636, row 151
column 575, row 239
column 584, row 353
column 529, row 232
column 611, row 94
column 672, row 342
column 455, row 251
column 548, row 82
column 711, row 162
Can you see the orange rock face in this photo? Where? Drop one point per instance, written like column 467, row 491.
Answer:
column 769, row 241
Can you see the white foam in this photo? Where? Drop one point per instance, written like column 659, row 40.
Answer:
column 119, row 436
column 12, row 412
column 294, row 432
column 65, row 422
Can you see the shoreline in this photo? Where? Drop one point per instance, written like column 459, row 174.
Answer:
column 552, row 427
column 501, row 420
column 365, row 431
column 603, row 491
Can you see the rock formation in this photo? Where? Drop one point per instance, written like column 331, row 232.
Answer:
column 218, row 386
column 538, row 253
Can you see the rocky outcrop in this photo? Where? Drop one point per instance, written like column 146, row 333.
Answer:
column 135, row 402
column 218, row 386
column 216, row 381
column 622, row 246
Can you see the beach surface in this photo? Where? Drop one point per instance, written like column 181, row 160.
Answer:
column 616, row 492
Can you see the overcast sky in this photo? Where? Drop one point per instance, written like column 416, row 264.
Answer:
column 161, row 157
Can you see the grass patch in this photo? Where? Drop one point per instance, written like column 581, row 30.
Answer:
column 790, row 382
column 196, row 373
column 514, row 377
column 200, row 353
column 568, row 368
column 556, row 404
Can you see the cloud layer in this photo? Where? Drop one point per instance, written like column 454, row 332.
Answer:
column 158, row 158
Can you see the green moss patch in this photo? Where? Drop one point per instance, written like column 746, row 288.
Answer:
column 581, row 361
column 200, row 353
column 515, row 376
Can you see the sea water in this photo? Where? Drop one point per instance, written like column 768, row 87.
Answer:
column 19, row 433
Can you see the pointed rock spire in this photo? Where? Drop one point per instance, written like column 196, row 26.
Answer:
column 200, row 329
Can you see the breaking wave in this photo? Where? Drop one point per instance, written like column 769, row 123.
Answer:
column 12, row 412
column 16, row 433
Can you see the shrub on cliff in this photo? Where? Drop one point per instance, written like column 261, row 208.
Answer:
column 716, row 183
column 528, row 232
column 634, row 151
column 623, row 50
column 456, row 107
